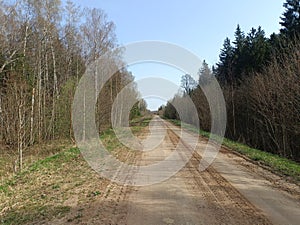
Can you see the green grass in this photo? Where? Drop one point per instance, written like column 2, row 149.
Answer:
column 51, row 162
column 30, row 214
column 55, row 160
column 8, row 157
column 139, row 123
column 111, row 141
column 38, row 192
column 276, row 163
column 28, row 190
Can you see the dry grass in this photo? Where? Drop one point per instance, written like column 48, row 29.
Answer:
column 55, row 186
column 9, row 157
column 46, row 188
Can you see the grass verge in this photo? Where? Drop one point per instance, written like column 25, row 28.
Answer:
column 31, row 194
column 276, row 163
column 110, row 140
column 51, row 187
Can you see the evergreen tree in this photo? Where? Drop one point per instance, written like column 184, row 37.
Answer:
column 291, row 18
column 238, row 59
column 224, row 67
column 239, row 38
column 205, row 74
column 276, row 43
column 256, row 51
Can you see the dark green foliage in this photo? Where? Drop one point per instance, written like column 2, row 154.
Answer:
column 260, row 81
column 290, row 19
column 135, row 111
column 261, row 86
column 249, row 54
column 139, row 109
column 224, row 67
column 256, row 51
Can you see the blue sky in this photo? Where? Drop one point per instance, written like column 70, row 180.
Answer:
column 197, row 25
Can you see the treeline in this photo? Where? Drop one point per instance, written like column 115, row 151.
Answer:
column 260, row 78
column 45, row 47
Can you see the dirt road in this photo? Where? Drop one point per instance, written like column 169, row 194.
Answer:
column 231, row 191
column 226, row 193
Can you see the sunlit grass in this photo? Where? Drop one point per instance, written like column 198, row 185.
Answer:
column 276, row 163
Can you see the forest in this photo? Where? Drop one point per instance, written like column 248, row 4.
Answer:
column 45, row 47
column 66, row 90
column 260, row 79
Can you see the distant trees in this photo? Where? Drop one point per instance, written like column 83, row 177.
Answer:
column 188, row 83
column 170, row 111
column 205, row 74
column 193, row 91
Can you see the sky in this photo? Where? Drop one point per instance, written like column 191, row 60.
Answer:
column 196, row 25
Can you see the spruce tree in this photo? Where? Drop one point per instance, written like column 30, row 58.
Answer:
column 239, row 54
column 205, row 74
column 257, row 51
column 290, row 19
column 224, row 67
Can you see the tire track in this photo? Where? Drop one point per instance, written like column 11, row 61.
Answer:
column 228, row 203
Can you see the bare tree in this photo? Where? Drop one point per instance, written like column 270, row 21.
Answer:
column 188, row 83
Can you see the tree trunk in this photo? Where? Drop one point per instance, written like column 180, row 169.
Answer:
column 31, row 140
column 39, row 88
column 1, row 120
column 55, row 92
column 21, row 124
column 233, row 110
